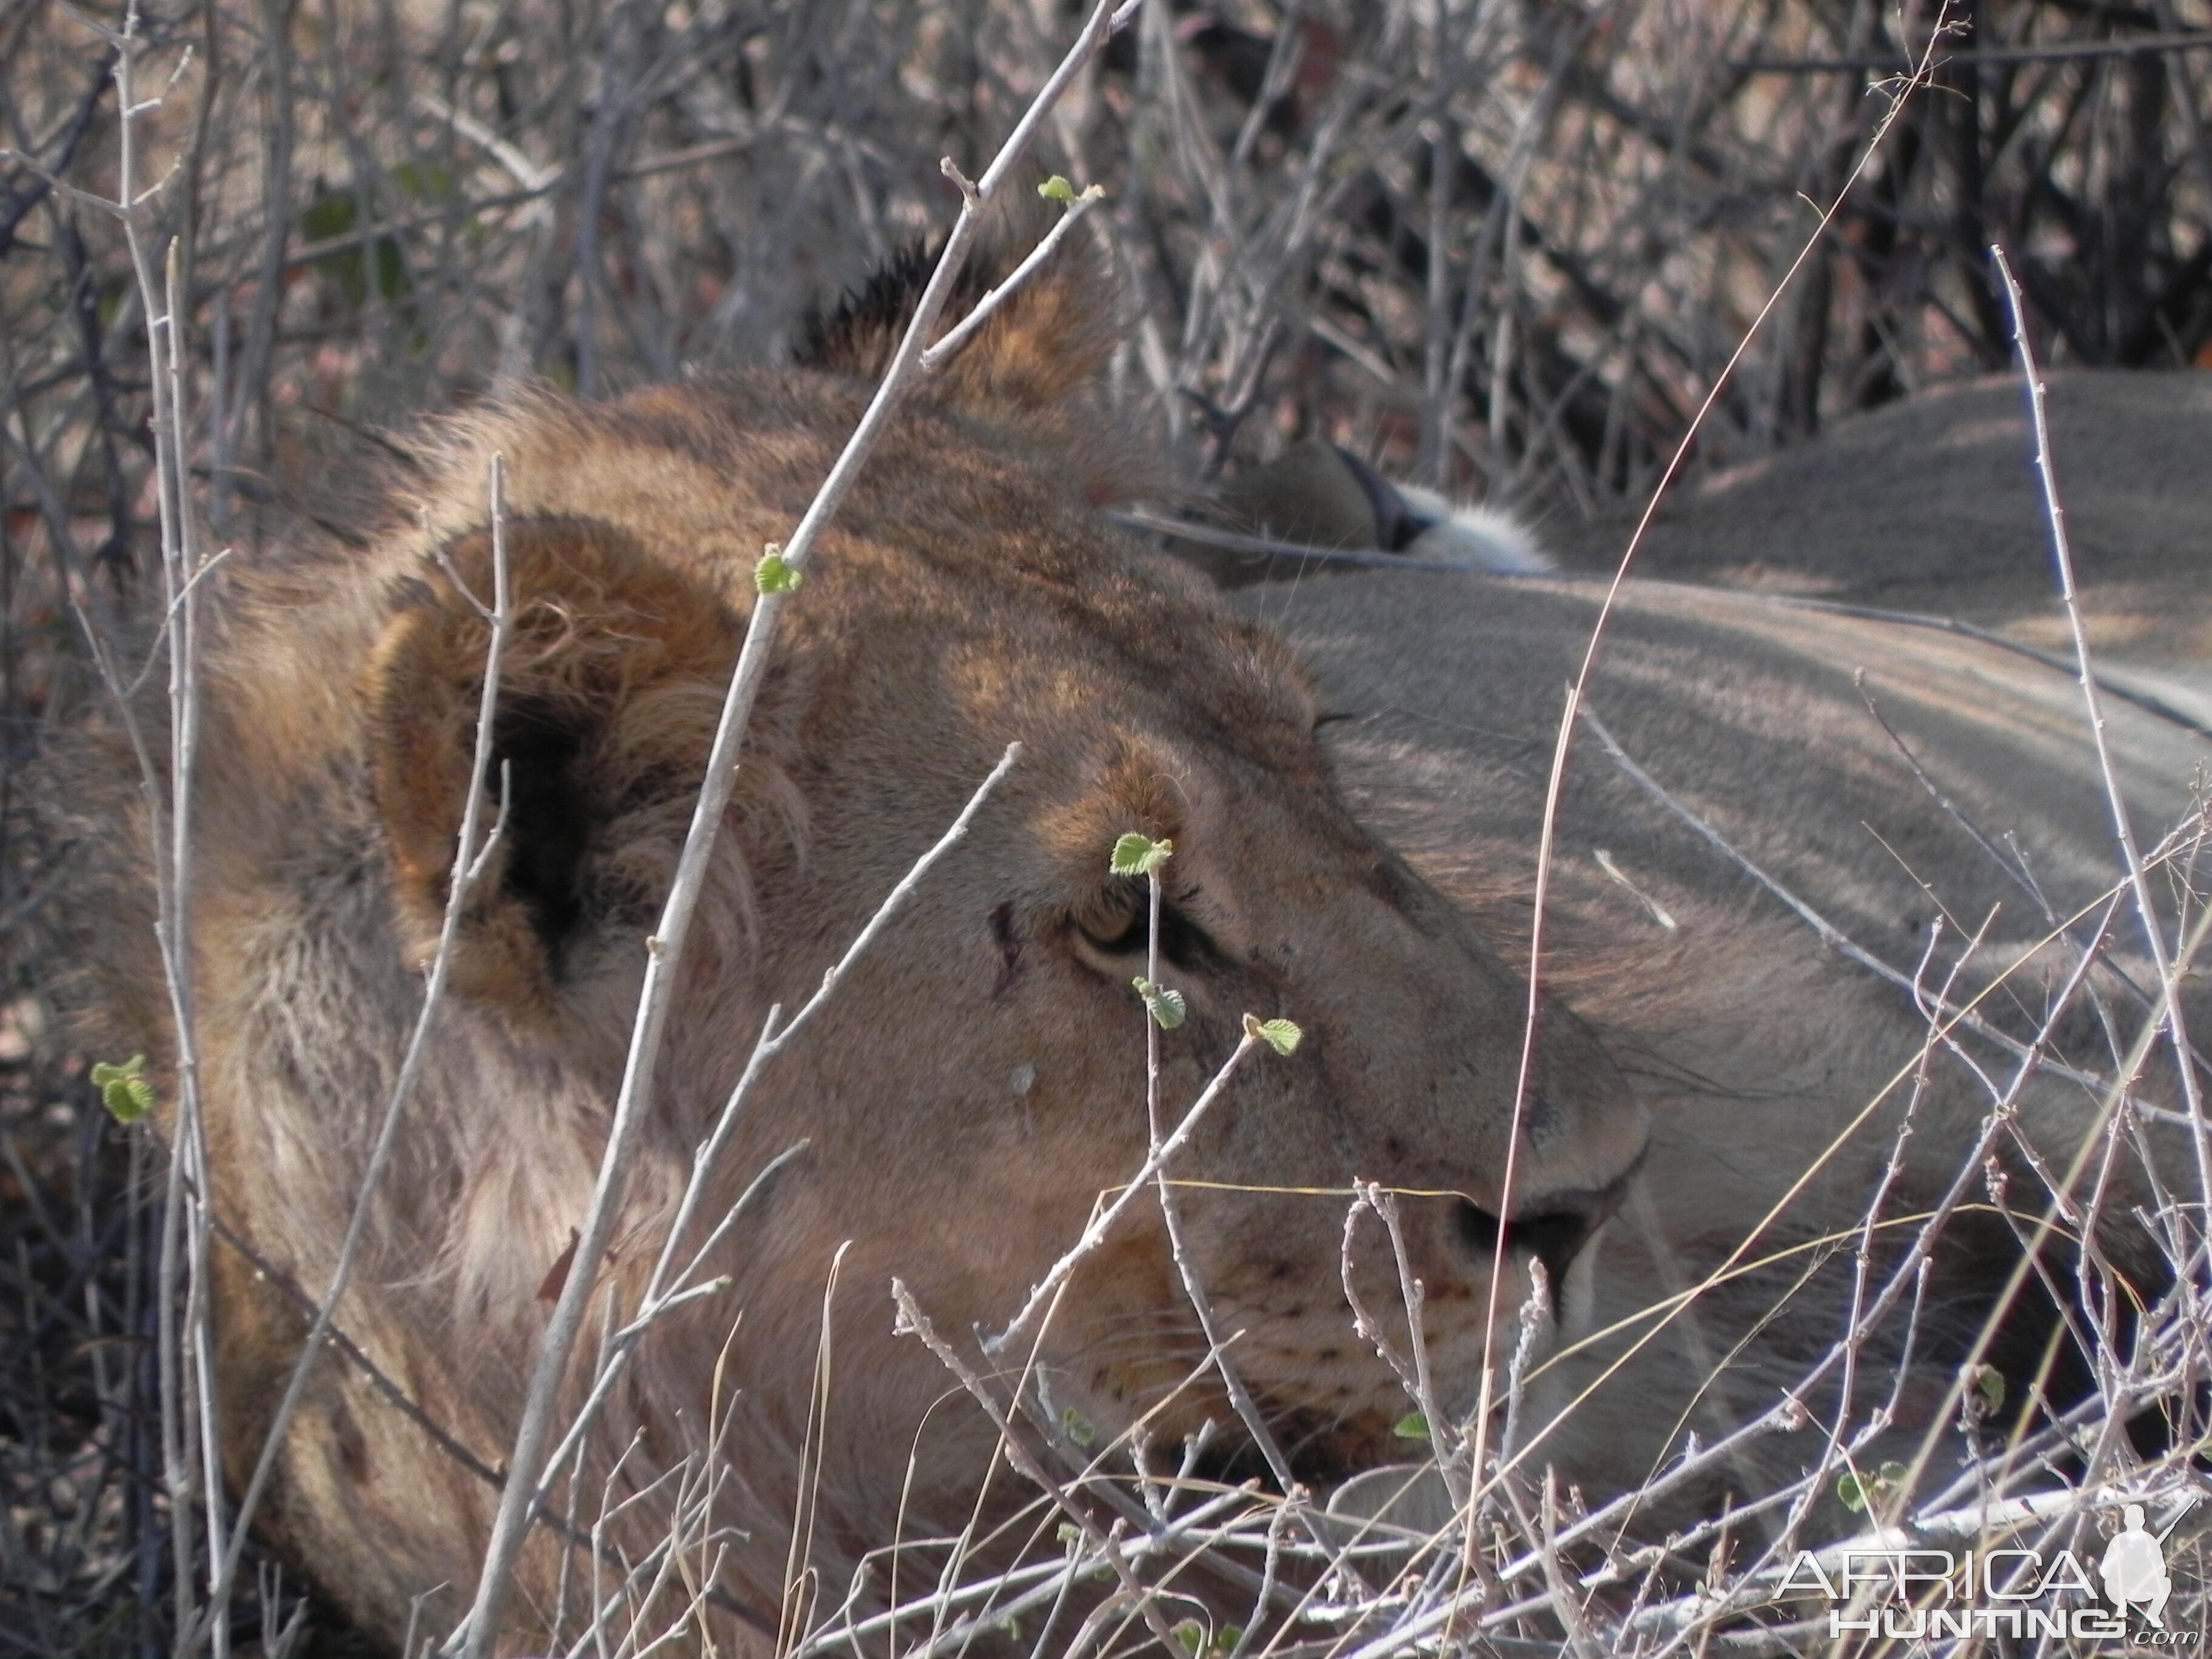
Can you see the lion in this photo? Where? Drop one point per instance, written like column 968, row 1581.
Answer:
column 1934, row 505
column 1930, row 795
column 1351, row 770
column 1321, row 495
column 1931, row 802
column 961, row 1104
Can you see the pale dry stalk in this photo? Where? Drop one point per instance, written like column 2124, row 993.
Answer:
column 664, row 949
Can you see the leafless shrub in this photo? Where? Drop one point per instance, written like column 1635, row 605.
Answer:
column 1503, row 247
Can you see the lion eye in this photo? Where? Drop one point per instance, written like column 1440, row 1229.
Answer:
column 1117, row 931
column 1126, row 932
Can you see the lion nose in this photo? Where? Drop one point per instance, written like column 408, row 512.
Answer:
column 1553, row 1228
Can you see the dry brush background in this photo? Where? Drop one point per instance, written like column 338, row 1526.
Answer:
column 1500, row 246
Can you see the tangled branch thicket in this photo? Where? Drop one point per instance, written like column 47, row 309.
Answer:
column 1504, row 248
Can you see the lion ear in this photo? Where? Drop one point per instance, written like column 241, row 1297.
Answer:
column 1044, row 344
column 1317, row 496
column 608, row 698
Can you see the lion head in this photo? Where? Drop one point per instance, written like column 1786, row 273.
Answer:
column 962, row 1104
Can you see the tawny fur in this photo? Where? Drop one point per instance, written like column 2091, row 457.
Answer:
column 1934, row 504
column 967, row 1096
column 1763, row 1056
column 978, row 1081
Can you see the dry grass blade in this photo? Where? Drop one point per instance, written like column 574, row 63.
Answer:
column 1528, row 252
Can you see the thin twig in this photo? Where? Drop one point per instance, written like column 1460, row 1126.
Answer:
column 2061, row 552
column 1829, row 935
column 1576, row 693
column 472, row 849
column 665, row 949
column 1102, row 1221
column 969, row 326
column 912, row 1320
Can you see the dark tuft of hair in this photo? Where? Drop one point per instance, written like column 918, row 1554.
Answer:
column 1043, row 345
column 858, row 334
